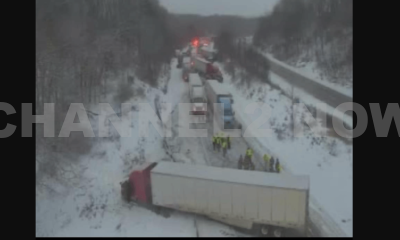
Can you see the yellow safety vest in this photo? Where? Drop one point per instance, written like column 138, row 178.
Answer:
column 224, row 144
column 249, row 153
column 213, row 139
column 267, row 158
column 279, row 168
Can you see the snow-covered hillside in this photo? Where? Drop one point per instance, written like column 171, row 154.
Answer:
column 311, row 71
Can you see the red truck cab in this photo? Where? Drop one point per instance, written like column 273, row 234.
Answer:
column 213, row 72
column 138, row 187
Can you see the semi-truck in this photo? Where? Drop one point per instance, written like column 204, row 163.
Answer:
column 207, row 53
column 220, row 103
column 197, row 95
column 268, row 204
column 206, row 69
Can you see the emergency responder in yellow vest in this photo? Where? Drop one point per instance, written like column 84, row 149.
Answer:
column 271, row 164
column 218, row 143
column 224, row 146
column 249, row 153
column 228, row 139
column 278, row 166
column 240, row 162
column 246, row 163
column 266, row 158
column 214, row 141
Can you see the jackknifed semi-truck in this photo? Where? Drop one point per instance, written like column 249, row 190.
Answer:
column 206, row 69
column 268, row 204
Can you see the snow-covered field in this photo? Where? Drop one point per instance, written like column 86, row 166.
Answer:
column 328, row 161
column 93, row 206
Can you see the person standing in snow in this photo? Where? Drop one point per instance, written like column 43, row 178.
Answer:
column 249, row 153
column 228, row 139
column 271, row 164
column 224, row 146
column 218, row 143
column 214, row 141
column 278, row 166
column 266, row 158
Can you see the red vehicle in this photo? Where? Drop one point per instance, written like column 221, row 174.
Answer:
column 206, row 69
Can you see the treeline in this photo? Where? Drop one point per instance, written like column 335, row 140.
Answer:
column 239, row 55
column 82, row 43
column 78, row 41
column 187, row 26
column 319, row 29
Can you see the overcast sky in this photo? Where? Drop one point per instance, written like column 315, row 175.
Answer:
column 246, row 8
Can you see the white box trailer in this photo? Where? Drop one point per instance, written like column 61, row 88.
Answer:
column 194, row 80
column 197, row 95
column 247, row 199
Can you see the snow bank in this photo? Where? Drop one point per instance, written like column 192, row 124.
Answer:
column 308, row 99
column 308, row 72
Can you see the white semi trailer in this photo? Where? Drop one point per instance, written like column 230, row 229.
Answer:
column 267, row 203
column 197, row 95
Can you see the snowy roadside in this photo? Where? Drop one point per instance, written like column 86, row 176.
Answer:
column 93, row 206
column 309, row 100
column 326, row 160
column 308, row 72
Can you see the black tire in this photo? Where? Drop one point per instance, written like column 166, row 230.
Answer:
column 261, row 230
column 277, row 232
column 264, row 230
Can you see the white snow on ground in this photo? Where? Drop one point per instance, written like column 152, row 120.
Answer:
column 308, row 99
column 93, row 206
column 327, row 161
column 309, row 72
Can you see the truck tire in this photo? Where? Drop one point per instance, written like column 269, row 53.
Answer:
column 260, row 230
column 264, row 230
column 277, row 232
